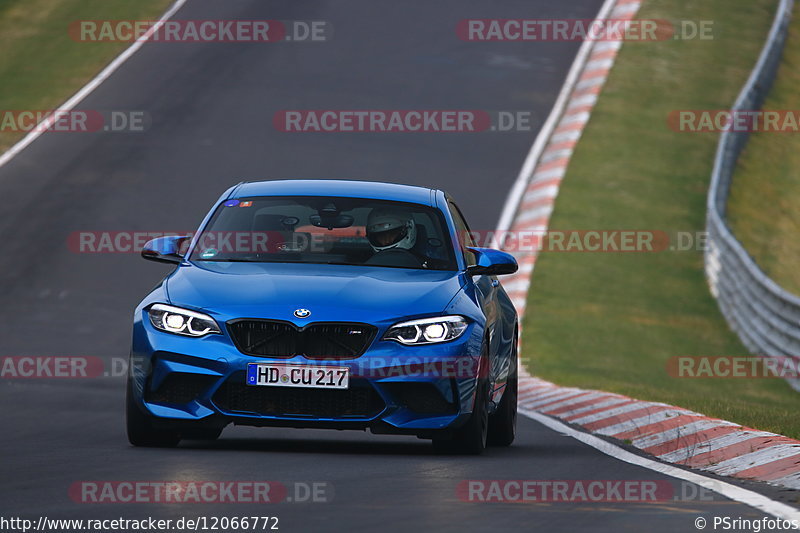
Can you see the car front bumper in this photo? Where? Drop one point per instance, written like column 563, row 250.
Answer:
column 200, row 382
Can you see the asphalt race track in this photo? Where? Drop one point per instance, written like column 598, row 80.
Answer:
column 210, row 108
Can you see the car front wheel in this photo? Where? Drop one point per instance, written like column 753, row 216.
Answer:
column 470, row 438
column 503, row 422
column 140, row 428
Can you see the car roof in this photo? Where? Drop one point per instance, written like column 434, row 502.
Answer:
column 345, row 188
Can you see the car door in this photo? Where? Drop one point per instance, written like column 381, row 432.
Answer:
column 486, row 289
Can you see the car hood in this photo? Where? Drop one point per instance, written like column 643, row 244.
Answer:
column 330, row 292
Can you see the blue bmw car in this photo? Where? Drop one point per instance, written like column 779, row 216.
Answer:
column 327, row 304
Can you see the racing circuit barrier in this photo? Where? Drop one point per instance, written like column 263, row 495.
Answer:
column 765, row 316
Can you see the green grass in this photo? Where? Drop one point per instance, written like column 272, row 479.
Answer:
column 40, row 65
column 762, row 208
column 612, row 320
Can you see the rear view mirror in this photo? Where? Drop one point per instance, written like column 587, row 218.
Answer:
column 331, row 221
column 165, row 249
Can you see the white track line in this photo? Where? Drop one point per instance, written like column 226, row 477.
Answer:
column 518, row 189
column 87, row 89
column 748, row 497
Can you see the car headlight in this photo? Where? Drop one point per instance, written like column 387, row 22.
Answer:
column 427, row 330
column 181, row 321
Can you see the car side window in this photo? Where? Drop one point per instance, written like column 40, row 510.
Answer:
column 463, row 234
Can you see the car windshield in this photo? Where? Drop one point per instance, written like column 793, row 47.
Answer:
column 327, row 230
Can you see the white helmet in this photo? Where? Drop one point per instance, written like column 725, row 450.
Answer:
column 388, row 229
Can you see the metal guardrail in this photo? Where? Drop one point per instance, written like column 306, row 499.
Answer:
column 766, row 317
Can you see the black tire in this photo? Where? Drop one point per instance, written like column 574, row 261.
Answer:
column 503, row 422
column 140, row 427
column 469, row 439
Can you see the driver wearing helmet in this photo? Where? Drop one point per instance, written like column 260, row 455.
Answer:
column 391, row 229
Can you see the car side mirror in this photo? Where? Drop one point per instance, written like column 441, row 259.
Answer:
column 490, row 262
column 165, row 249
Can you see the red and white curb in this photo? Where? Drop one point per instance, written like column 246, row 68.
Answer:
column 672, row 434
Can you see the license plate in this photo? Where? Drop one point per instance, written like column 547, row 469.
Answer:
column 311, row 377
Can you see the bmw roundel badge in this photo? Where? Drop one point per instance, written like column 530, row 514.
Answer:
column 302, row 313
